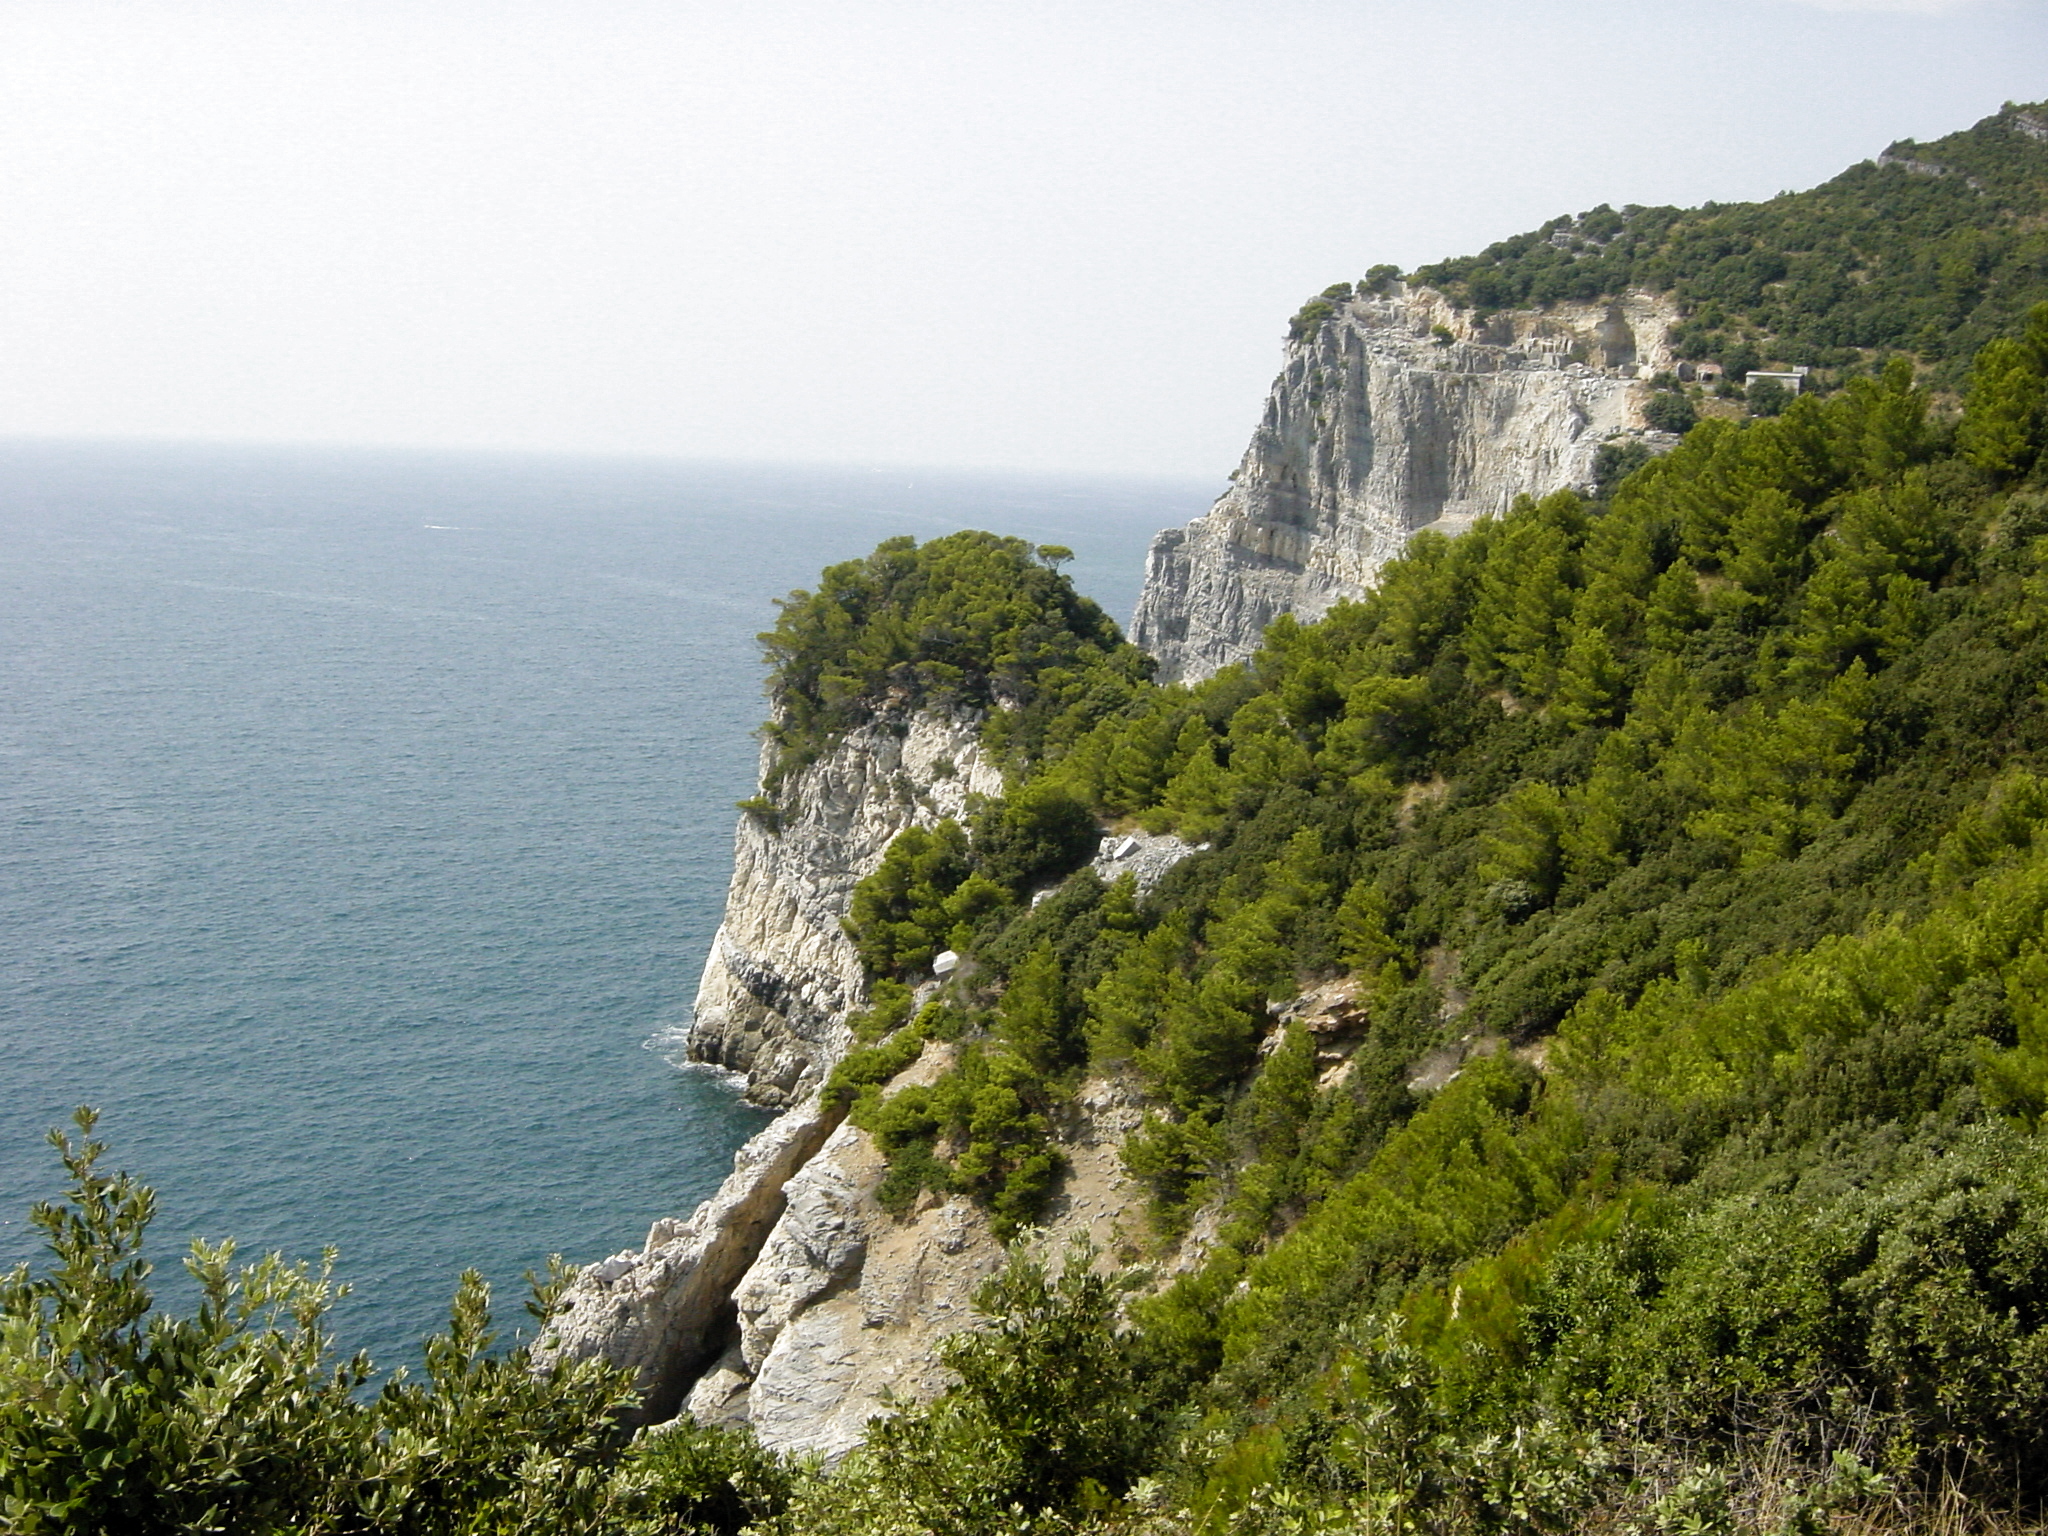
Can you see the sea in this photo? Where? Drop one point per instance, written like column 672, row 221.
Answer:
column 365, row 818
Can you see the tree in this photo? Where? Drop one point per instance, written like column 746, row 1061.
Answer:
column 1767, row 397
column 2005, row 411
column 1670, row 411
column 1591, row 682
column 1037, row 834
column 1033, row 1012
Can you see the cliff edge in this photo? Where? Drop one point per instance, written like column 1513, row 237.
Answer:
column 777, row 987
column 782, row 974
column 1393, row 413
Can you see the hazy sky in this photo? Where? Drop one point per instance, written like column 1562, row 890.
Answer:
column 1052, row 235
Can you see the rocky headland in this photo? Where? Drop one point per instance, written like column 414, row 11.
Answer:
column 791, row 1300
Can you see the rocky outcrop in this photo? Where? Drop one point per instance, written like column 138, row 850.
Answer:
column 843, row 1313
column 1394, row 414
column 663, row 1312
column 782, row 975
column 780, row 981
column 1145, row 856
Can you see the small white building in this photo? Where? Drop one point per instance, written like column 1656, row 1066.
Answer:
column 1794, row 381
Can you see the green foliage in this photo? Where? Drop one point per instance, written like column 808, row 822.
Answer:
column 871, row 1066
column 115, row 1417
column 1034, row 1017
column 2005, row 410
column 1885, row 257
column 926, row 896
column 968, row 620
column 689, row 1479
column 1052, row 1416
column 1670, row 411
column 1615, row 462
column 1037, row 834
column 1767, row 397
column 1309, row 318
column 1922, row 1292
column 981, row 1129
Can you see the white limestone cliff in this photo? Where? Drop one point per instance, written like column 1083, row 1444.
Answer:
column 1394, row 414
column 843, row 1314
column 662, row 1312
column 776, row 991
column 782, row 975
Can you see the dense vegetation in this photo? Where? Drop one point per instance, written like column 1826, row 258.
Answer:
column 969, row 620
column 1934, row 250
column 1698, row 828
column 1603, row 1045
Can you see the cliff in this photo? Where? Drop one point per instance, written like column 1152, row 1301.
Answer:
column 843, row 1311
column 1393, row 414
column 791, row 1299
column 777, row 987
column 782, row 975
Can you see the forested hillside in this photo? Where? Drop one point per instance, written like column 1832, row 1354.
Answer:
column 1931, row 248
column 1691, row 835
column 1593, row 1065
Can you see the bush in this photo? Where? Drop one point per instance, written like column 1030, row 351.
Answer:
column 116, row 1417
column 1669, row 411
column 1767, row 397
column 1052, row 1416
column 1038, row 834
column 691, row 1479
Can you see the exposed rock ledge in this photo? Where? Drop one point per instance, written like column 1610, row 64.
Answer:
column 780, row 981
column 663, row 1312
column 1380, row 425
column 782, row 975
column 842, row 1314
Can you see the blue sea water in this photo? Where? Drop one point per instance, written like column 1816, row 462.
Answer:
column 364, row 819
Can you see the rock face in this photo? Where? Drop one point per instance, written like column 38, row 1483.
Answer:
column 1395, row 414
column 782, row 974
column 845, row 1309
column 1144, row 856
column 780, row 980
column 663, row 1312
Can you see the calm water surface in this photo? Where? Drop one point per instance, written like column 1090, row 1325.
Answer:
column 364, row 819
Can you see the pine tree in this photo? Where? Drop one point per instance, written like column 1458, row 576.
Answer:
column 2005, row 410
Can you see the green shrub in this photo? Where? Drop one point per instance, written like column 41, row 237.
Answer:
column 689, row 1479
column 117, row 1417
column 1670, row 411
column 1053, row 1415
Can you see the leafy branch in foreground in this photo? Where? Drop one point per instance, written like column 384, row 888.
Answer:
column 115, row 1416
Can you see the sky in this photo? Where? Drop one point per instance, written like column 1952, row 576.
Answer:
column 1063, row 235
